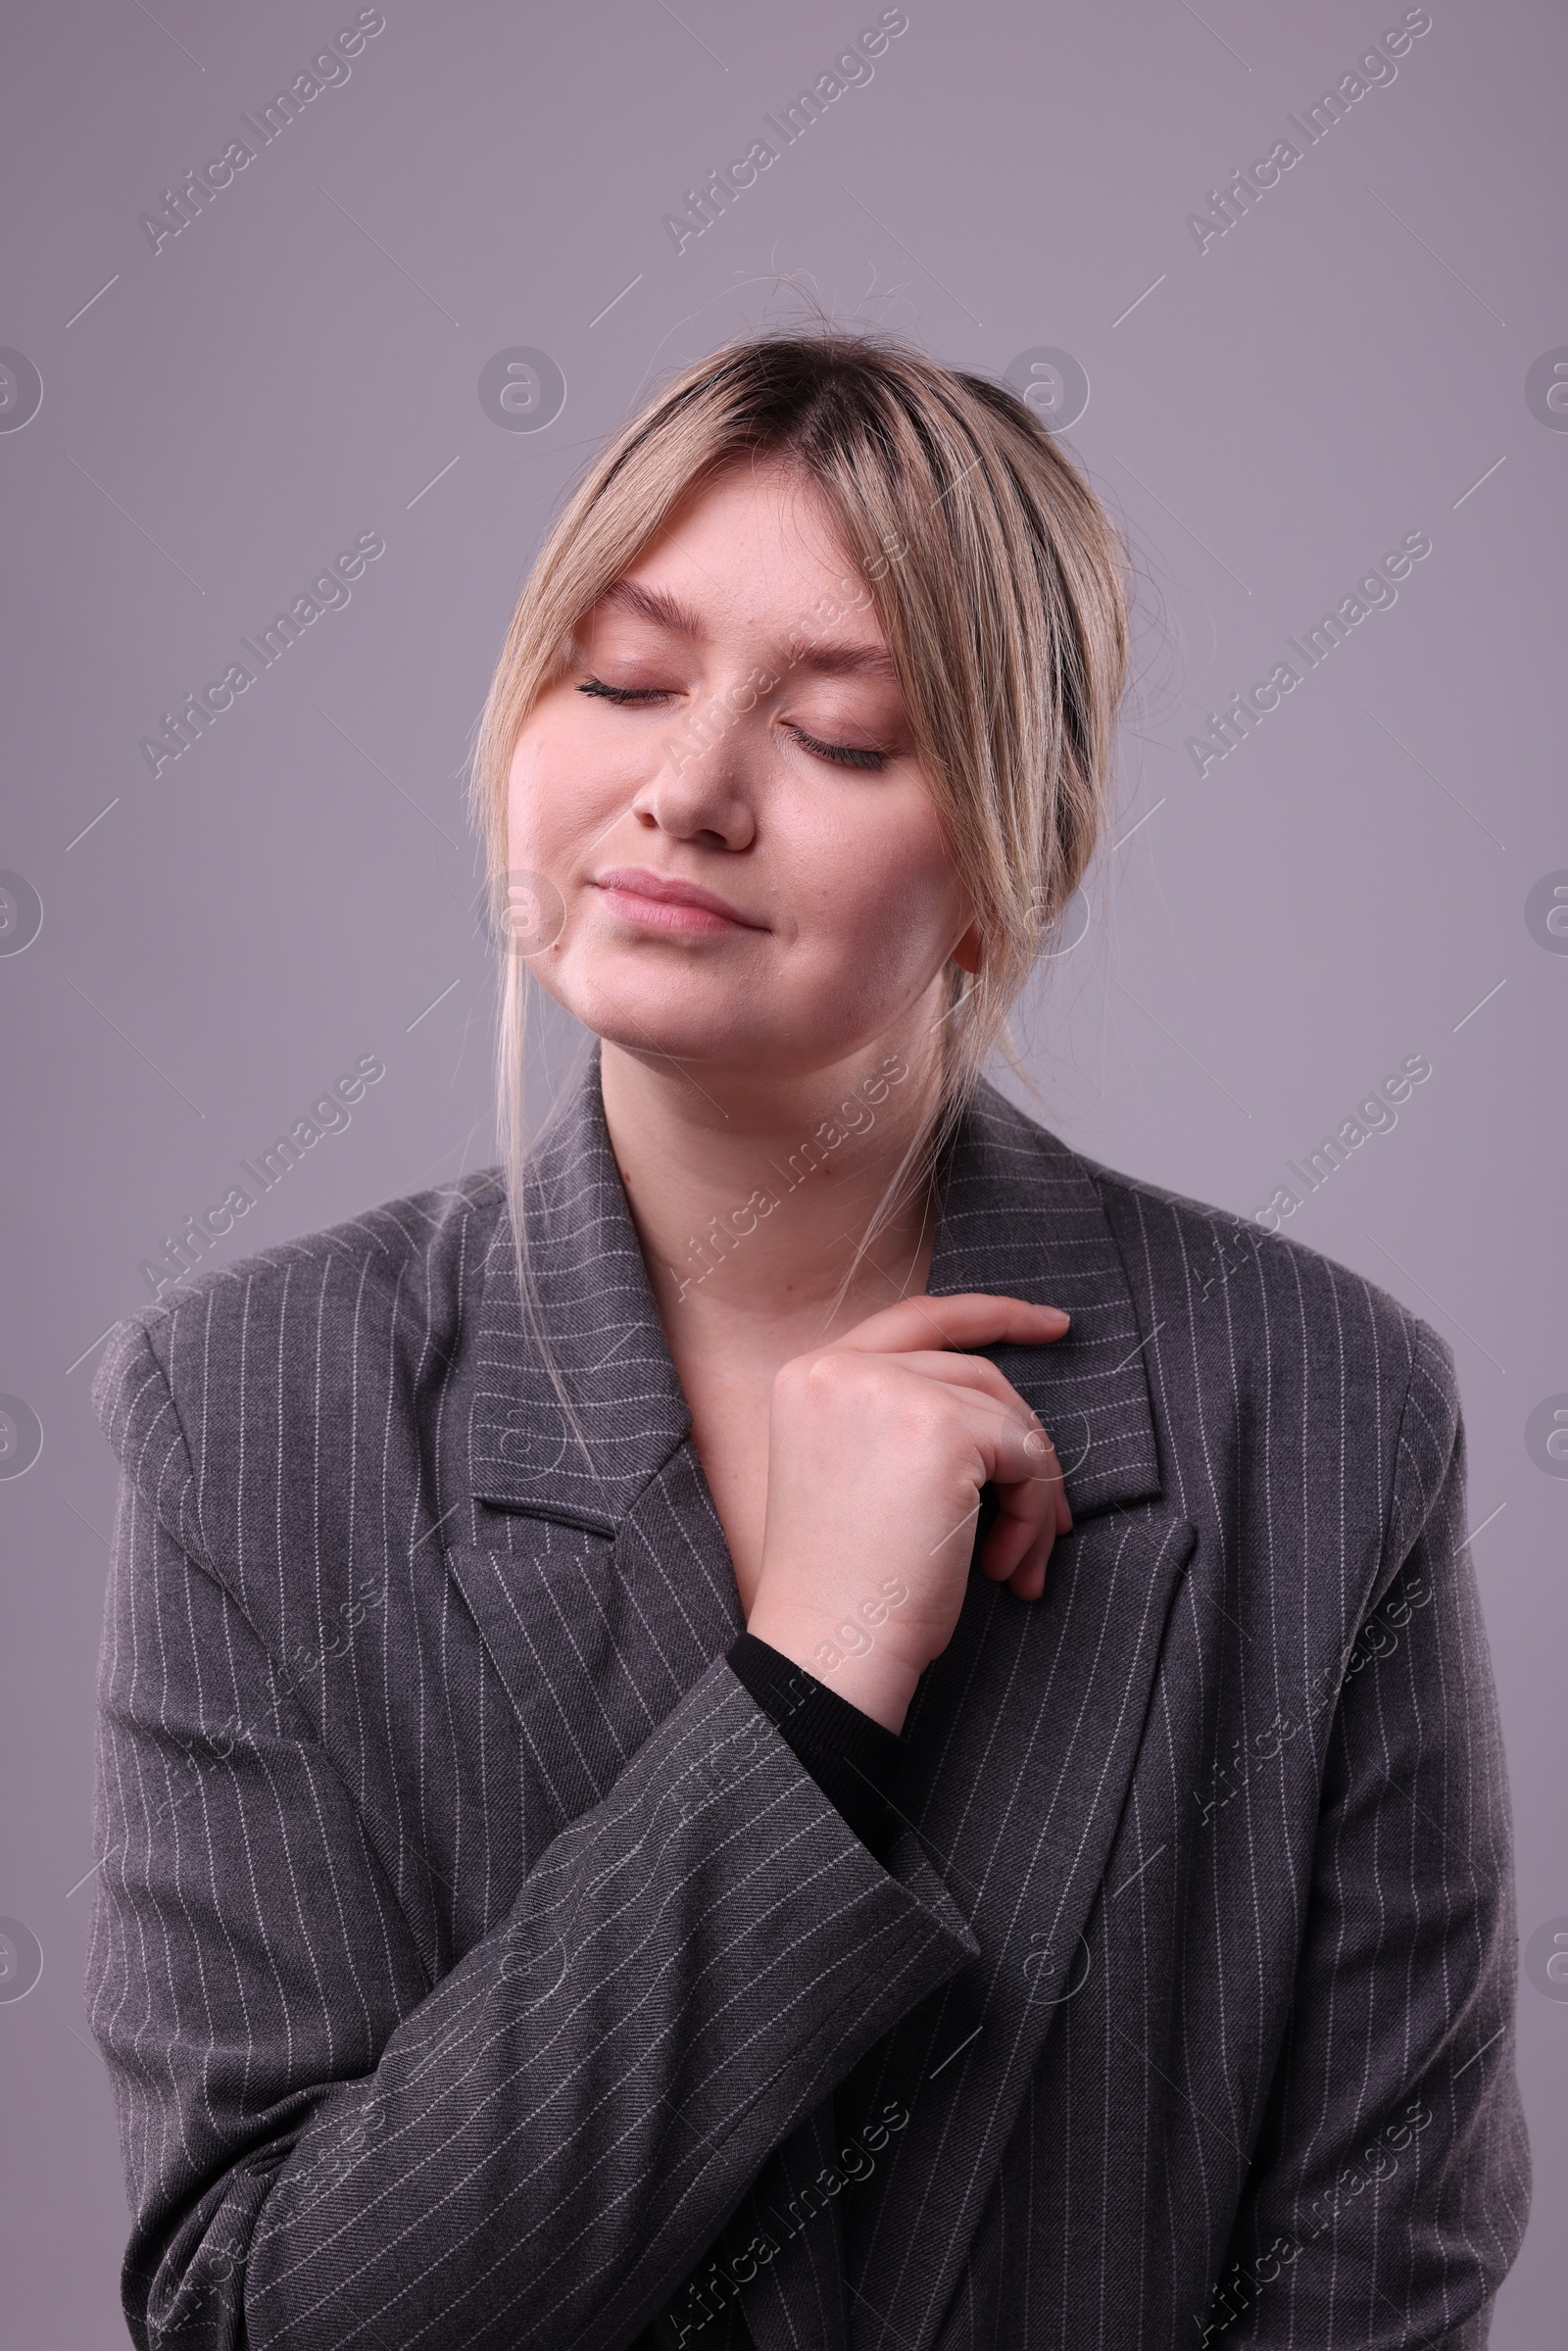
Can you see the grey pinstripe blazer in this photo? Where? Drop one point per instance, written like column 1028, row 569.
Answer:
column 477, row 1967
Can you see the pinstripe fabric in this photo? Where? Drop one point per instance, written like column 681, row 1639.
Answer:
column 476, row 1966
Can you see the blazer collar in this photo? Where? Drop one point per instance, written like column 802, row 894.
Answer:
column 581, row 1445
column 1021, row 1213
column 1024, row 1734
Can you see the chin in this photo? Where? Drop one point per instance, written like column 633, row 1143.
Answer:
column 726, row 1022
column 689, row 1015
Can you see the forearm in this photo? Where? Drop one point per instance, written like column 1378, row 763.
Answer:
column 552, row 2136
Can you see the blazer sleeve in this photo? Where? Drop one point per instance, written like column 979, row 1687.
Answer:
column 1391, row 2180
column 324, row 2149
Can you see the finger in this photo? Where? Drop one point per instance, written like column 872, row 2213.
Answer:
column 969, row 1319
column 1031, row 1513
column 1019, row 1537
column 958, row 1541
column 1028, row 1578
column 975, row 1373
column 971, row 1372
column 1017, row 1458
column 1044, row 1476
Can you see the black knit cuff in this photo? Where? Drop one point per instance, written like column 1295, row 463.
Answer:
column 854, row 1759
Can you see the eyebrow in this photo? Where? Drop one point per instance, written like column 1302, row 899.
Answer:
column 666, row 612
column 654, row 605
column 848, row 660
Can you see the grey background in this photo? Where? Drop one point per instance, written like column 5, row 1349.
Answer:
column 1346, row 889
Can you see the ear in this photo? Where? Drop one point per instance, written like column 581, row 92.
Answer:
column 969, row 953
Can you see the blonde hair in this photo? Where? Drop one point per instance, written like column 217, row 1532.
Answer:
column 999, row 584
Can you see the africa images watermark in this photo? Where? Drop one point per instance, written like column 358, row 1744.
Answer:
column 851, row 70
column 328, row 592
column 1376, row 1115
column 1378, row 1638
column 1229, row 205
column 854, row 1115
column 182, row 1251
column 329, row 70
column 1245, row 713
column 704, row 2296
column 1240, row 2287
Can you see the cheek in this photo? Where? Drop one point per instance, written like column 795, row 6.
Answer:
column 529, row 804
column 882, row 891
column 557, row 791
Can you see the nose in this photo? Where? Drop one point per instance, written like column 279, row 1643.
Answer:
column 699, row 790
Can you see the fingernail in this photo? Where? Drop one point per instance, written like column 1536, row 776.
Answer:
column 1034, row 1442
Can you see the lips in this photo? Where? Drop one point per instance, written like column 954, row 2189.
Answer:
column 658, row 901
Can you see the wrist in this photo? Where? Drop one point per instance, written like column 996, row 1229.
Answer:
column 880, row 1685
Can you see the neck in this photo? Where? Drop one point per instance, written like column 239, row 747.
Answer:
column 751, row 1199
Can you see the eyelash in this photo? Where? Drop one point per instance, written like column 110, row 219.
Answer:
column 841, row 755
column 597, row 686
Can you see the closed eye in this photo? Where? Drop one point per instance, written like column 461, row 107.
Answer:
column 842, row 754
column 625, row 694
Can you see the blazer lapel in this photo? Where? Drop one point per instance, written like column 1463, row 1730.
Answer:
column 1024, row 1739
column 608, row 1590
column 1021, row 1215
column 1023, row 1734
column 577, row 1403
column 576, row 1521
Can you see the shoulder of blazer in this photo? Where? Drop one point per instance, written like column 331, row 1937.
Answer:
column 1185, row 1253
column 248, row 1341
column 1246, row 1293
column 1182, row 1256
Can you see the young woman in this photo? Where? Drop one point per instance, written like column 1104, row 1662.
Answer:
column 805, row 1720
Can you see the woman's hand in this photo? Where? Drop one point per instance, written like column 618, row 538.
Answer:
column 879, row 1447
